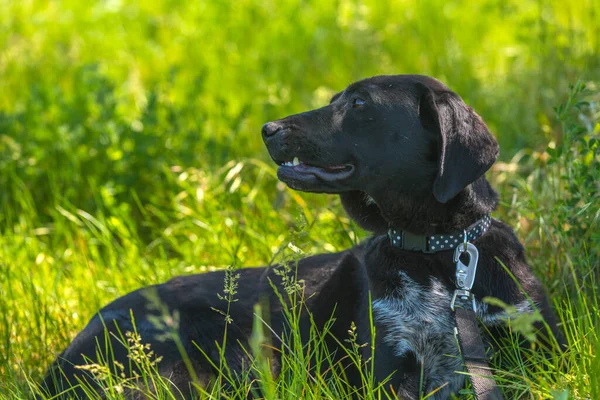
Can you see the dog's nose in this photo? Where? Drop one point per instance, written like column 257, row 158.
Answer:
column 270, row 129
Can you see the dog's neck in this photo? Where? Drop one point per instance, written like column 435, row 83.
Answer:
column 429, row 216
column 425, row 215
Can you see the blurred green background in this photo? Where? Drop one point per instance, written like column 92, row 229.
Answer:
column 130, row 146
column 109, row 93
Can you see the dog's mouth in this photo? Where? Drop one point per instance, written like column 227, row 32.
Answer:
column 297, row 169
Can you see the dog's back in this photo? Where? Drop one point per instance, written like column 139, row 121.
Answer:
column 190, row 308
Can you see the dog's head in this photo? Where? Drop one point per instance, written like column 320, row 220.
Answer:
column 382, row 140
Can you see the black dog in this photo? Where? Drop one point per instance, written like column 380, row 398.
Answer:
column 407, row 157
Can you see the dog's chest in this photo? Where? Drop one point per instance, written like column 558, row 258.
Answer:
column 417, row 318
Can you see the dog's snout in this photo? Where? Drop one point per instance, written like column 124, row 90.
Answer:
column 270, row 129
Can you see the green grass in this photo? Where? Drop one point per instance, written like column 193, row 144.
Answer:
column 130, row 152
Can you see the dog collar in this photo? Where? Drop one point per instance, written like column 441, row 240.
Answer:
column 434, row 243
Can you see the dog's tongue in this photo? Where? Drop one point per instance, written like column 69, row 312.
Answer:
column 335, row 167
column 329, row 173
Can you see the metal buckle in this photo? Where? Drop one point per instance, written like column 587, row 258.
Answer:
column 465, row 274
column 463, row 296
column 414, row 242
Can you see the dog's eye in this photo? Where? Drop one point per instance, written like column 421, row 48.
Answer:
column 357, row 102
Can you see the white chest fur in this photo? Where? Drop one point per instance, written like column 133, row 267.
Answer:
column 418, row 319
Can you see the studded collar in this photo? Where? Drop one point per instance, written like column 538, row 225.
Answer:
column 434, row 243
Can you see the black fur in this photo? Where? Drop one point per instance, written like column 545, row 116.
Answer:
column 401, row 151
column 327, row 279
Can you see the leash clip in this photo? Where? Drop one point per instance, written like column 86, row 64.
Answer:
column 465, row 274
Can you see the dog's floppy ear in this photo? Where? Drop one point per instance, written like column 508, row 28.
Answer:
column 466, row 148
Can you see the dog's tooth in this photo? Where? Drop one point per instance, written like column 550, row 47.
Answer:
column 296, row 161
